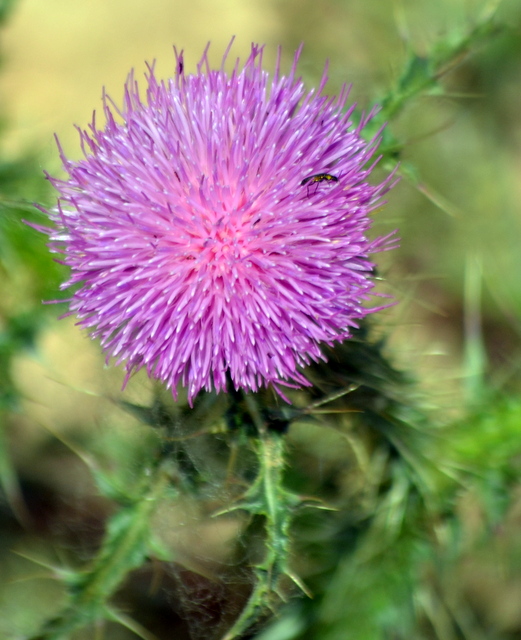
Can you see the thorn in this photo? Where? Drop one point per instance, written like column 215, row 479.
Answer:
column 300, row 584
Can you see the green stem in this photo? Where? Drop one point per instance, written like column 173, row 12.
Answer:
column 423, row 73
column 267, row 497
column 124, row 548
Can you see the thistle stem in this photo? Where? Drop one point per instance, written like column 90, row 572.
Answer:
column 267, row 497
column 124, row 548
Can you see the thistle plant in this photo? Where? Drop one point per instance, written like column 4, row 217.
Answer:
column 218, row 236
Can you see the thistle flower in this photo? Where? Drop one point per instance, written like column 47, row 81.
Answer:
column 217, row 228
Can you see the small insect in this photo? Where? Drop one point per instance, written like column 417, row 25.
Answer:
column 317, row 178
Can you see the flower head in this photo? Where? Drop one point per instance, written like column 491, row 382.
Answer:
column 216, row 228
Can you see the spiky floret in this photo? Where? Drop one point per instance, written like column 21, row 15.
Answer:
column 195, row 250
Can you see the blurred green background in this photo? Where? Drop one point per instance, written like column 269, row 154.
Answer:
column 455, row 330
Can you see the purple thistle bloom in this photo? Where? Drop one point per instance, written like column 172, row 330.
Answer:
column 218, row 226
